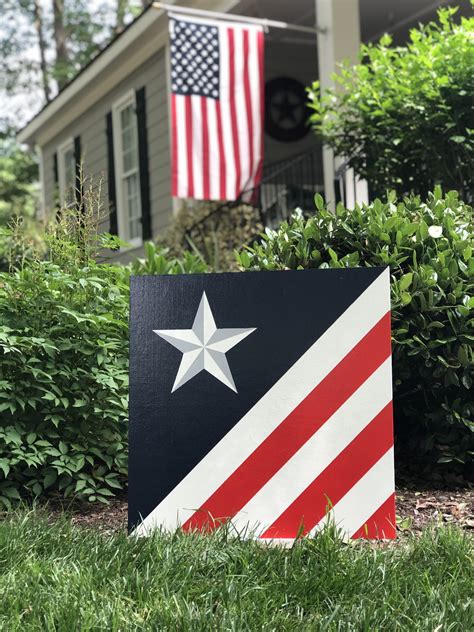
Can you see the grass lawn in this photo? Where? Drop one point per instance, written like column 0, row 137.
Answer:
column 64, row 577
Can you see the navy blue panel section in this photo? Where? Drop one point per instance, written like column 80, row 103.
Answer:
column 171, row 432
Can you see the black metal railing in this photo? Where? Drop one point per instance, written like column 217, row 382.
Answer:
column 289, row 184
column 285, row 186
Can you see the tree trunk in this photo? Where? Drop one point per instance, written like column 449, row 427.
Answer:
column 42, row 48
column 62, row 58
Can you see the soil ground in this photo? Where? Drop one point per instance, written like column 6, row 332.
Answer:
column 416, row 509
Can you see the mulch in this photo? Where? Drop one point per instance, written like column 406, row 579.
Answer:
column 416, row 509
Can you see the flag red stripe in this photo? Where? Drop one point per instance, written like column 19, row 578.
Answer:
column 189, row 146
column 381, row 524
column 222, row 161
column 174, row 148
column 248, row 107
column 233, row 111
column 337, row 479
column 296, row 429
column 205, row 148
column 260, row 43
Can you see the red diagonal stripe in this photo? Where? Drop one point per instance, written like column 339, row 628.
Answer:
column 381, row 523
column 337, row 479
column 236, row 491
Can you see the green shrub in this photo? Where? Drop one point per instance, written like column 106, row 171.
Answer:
column 429, row 247
column 212, row 230
column 403, row 116
column 64, row 367
column 64, row 380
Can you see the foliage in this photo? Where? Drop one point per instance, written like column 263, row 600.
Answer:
column 429, row 247
column 63, row 379
column 57, row 576
column 18, row 174
column 64, row 35
column 159, row 261
column 212, row 230
column 64, row 362
column 403, row 116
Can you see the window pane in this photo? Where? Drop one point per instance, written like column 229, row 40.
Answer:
column 135, row 228
column 126, row 116
column 131, row 212
column 130, row 160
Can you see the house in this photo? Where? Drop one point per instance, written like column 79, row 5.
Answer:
column 114, row 116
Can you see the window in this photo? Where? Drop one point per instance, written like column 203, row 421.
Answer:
column 66, row 172
column 127, row 173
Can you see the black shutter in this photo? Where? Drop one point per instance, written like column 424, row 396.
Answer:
column 143, row 163
column 113, row 225
column 78, row 169
column 55, row 180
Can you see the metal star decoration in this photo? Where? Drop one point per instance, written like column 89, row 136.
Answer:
column 204, row 347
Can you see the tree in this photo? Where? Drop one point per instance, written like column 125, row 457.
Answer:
column 18, row 173
column 44, row 43
column 403, row 116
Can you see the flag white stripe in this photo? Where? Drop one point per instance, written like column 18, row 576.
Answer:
column 362, row 500
column 241, row 107
column 230, row 172
column 317, row 453
column 272, row 408
column 214, row 162
column 181, row 143
column 197, row 147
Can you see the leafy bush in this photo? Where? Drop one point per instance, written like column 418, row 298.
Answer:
column 158, row 260
column 404, row 115
column 212, row 230
column 64, row 367
column 429, row 247
column 63, row 379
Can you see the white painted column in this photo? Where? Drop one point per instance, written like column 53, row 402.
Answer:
column 340, row 41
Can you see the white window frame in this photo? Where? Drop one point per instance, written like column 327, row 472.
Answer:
column 122, row 216
column 68, row 145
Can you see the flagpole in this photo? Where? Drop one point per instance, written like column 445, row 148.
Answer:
column 274, row 24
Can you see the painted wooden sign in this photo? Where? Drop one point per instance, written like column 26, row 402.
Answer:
column 263, row 399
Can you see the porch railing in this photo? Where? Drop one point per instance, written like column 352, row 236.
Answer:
column 285, row 185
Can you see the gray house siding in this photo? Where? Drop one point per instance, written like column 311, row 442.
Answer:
column 91, row 127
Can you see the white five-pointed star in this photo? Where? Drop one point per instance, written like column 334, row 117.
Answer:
column 204, row 347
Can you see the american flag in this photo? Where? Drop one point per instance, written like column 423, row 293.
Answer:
column 217, row 108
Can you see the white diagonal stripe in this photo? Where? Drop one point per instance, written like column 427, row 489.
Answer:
column 267, row 414
column 317, row 453
column 362, row 500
